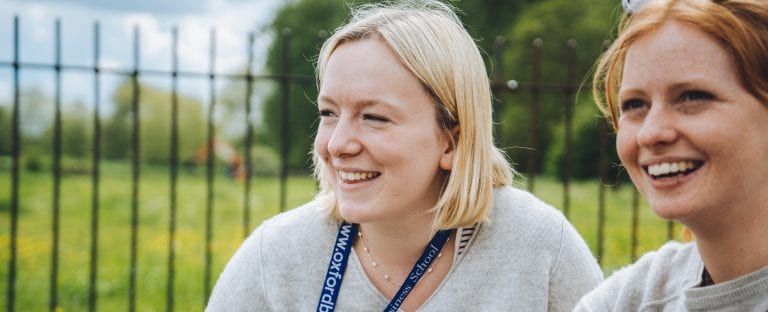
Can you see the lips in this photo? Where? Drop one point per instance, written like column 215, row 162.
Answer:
column 357, row 176
column 672, row 169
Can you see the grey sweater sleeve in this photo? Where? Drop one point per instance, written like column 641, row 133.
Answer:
column 605, row 296
column 575, row 271
column 241, row 285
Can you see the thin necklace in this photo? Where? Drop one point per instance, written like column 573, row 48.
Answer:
column 376, row 265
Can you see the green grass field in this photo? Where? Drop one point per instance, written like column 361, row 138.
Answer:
column 35, row 233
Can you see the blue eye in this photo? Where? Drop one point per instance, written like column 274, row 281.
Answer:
column 376, row 118
column 325, row 113
column 632, row 104
column 696, row 95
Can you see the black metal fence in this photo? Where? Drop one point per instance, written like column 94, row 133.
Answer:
column 285, row 79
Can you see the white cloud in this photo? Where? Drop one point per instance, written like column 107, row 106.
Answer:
column 232, row 20
column 154, row 41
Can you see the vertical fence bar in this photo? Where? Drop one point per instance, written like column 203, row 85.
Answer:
column 533, row 118
column 15, row 148
column 635, row 223
column 284, row 116
column 174, row 170
column 603, row 168
column 210, row 170
column 135, row 154
column 248, row 137
column 570, row 90
column 92, row 297
column 53, row 303
column 498, row 85
column 670, row 230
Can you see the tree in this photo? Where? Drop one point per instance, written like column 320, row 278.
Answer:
column 555, row 22
column 77, row 134
column 309, row 22
column 5, row 129
column 155, row 124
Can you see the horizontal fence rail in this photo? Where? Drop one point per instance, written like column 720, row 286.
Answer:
column 534, row 89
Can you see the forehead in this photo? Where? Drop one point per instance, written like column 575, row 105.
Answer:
column 362, row 58
column 676, row 51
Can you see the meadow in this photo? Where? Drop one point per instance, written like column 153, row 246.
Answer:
column 35, row 232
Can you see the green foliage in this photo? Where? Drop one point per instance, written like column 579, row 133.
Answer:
column 155, row 125
column 554, row 22
column 77, row 134
column 34, row 232
column 585, row 147
column 265, row 162
column 485, row 20
column 309, row 23
column 588, row 22
column 5, row 129
column 114, row 234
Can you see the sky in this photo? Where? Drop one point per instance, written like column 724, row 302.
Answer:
column 231, row 19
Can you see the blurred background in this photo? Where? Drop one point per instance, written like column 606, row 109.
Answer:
column 141, row 141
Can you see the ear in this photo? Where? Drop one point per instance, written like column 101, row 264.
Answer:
column 446, row 159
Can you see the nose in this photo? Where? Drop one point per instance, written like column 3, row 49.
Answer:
column 344, row 140
column 658, row 127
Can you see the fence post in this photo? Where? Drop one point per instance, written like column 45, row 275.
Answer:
column 248, row 138
column 635, row 223
column 570, row 77
column 174, row 170
column 53, row 303
column 135, row 154
column 603, row 165
column 92, row 294
column 210, row 169
column 533, row 118
column 284, row 115
column 498, row 85
column 15, row 148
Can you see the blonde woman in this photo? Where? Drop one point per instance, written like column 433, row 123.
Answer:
column 415, row 210
column 686, row 86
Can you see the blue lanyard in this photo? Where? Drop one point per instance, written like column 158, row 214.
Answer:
column 338, row 265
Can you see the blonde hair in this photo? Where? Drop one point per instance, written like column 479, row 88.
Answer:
column 429, row 40
column 740, row 26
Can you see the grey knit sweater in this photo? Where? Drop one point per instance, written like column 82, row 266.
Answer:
column 668, row 279
column 528, row 258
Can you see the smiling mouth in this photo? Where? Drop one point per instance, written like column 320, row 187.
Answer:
column 357, row 177
column 672, row 169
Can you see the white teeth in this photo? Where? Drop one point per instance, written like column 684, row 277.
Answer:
column 356, row 176
column 667, row 168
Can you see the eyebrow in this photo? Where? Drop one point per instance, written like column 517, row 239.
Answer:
column 360, row 104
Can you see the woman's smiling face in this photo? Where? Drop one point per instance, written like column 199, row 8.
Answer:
column 691, row 137
column 378, row 135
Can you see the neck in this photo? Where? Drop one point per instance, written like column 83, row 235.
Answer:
column 398, row 244
column 734, row 248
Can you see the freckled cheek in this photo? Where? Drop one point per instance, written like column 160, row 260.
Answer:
column 626, row 147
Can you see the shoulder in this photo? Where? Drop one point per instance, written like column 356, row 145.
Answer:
column 528, row 240
column 668, row 267
column 529, row 226
column 656, row 279
column 283, row 257
column 510, row 202
column 520, row 213
column 292, row 231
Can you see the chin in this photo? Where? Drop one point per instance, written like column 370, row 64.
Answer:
column 671, row 211
column 353, row 215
